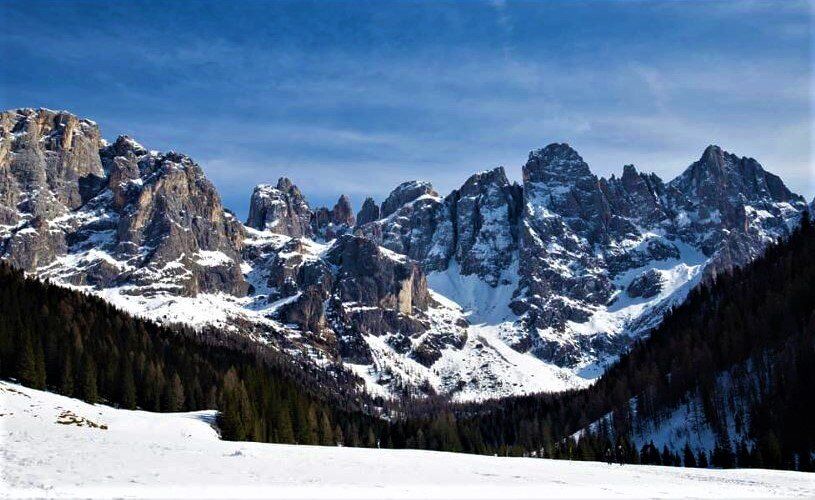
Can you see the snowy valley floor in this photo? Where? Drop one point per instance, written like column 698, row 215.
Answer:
column 51, row 447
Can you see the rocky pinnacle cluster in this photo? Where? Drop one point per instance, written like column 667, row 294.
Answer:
column 581, row 265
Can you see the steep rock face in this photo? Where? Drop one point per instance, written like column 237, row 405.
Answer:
column 636, row 196
column 368, row 213
column 565, row 216
column 730, row 206
column 476, row 225
column 582, row 235
column 405, row 193
column 566, row 269
column 168, row 213
column 485, row 213
column 341, row 295
column 281, row 209
column 49, row 165
column 329, row 224
column 410, row 228
column 113, row 215
column 376, row 293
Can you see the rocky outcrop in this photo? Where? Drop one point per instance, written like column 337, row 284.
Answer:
column 356, row 289
column 151, row 221
column 368, row 213
column 411, row 228
column 565, row 216
column 485, row 213
column 476, row 226
column 728, row 205
column 646, row 285
column 171, row 214
column 579, row 233
column 404, row 193
column 281, row 209
column 49, row 165
column 329, row 224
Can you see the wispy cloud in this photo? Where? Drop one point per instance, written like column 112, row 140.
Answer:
column 332, row 93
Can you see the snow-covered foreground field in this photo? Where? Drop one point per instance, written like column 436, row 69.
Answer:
column 51, row 447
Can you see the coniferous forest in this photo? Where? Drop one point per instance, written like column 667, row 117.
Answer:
column 755, row 326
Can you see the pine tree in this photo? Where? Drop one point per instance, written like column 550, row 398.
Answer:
column 27, row 364
column 667, row 456
column 687, row 453
column 702, row 460
column 88, row 388
column 128, row 388
column 284, row 428
column 66, row 383
column 176, row 393
column 326, row 433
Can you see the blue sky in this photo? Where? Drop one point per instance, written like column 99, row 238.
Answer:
column 354, row 97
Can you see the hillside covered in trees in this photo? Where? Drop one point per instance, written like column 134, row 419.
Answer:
column 755, row 325
column 78, row 345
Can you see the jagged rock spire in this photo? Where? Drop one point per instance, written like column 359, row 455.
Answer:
column 368, row 213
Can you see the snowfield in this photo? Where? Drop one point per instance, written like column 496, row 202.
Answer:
column 54, row 446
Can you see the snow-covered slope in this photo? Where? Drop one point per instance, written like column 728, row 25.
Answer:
column 57, row 447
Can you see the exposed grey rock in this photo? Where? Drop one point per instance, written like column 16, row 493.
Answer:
column 565, row 216
column 368, row 213
column 411, row 229
column 151, row 224
column 405, row 193
column 281, row 209
column 172, row 213
column 729, row 205
column 50, row 165
column 485, row 215
column 328, row 224
column 646, row 285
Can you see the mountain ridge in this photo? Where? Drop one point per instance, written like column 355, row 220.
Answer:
column 574, row 267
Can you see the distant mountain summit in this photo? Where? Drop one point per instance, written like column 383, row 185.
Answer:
column 497, row 288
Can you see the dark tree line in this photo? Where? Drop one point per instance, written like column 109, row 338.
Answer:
column 755, row 324
column 78, row 345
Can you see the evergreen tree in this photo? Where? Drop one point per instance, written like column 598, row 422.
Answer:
column 27, row 369
column 88, row 388
column 687, row 455
column 66, row 381
column 326, row 433
column 702, row 460
column 128, row 386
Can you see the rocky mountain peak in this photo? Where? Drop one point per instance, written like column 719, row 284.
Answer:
column 343, row 213
column 328, row 224
column 567, row 267
column 368, row 213
column 281, row 209
column 721, row 180
column 124, row 145
column 555, row 163
column 485, row 212
column 405, row 193
column 49, row 155
column 630, row 174
column 284, row 184
column 496, row 176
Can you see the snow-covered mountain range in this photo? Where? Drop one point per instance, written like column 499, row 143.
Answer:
column 497, row 288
